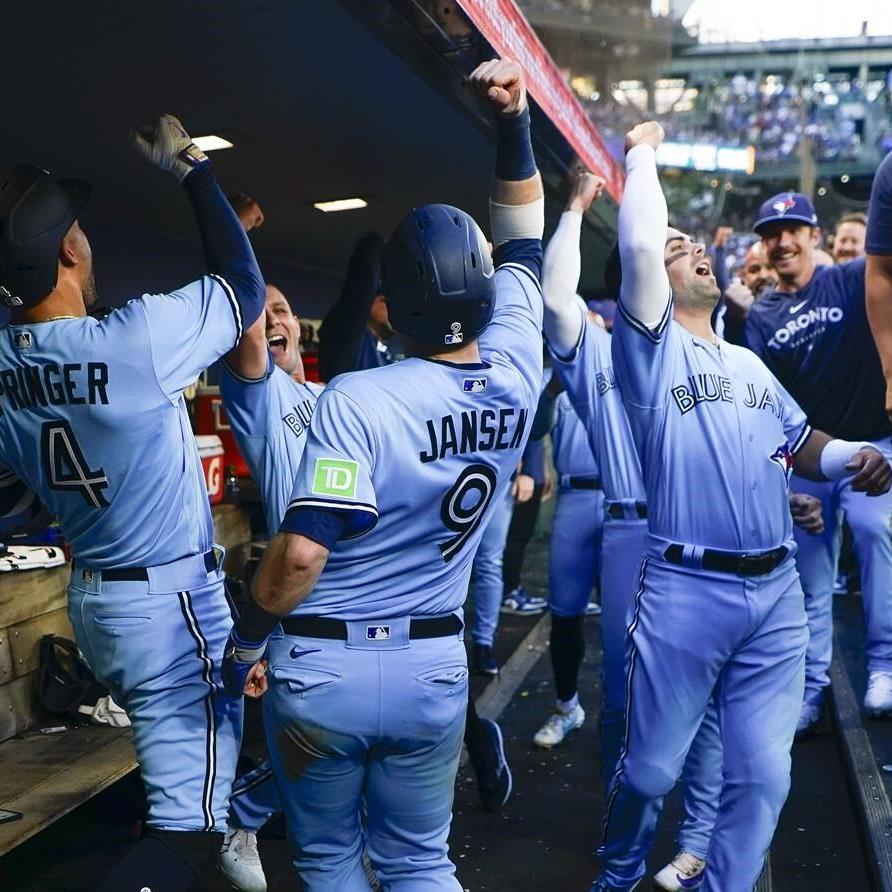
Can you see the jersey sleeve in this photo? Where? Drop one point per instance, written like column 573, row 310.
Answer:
column 190, row 329
column 796, row 426
column 575, row 369
column 516, row 326
column 246, row 400
column 879, row 223
column 337, row 465
column 640, row 359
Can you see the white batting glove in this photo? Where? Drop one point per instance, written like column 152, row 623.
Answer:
column 166, row 144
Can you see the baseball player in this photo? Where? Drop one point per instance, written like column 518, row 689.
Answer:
column 574, row 559
column 92, row 418
column 269, row 403
column 813, row 334
column 879, row 269
column 719, row 608
column 368, row 675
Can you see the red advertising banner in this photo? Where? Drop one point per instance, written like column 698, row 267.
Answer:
column 503, row 24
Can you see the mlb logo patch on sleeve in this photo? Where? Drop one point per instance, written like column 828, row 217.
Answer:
column 335, row 477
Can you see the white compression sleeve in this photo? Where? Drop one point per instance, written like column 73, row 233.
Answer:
column 643, row 221
column 560, row 277
column 511, row 221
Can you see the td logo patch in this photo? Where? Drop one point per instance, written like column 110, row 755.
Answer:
column 335, row 477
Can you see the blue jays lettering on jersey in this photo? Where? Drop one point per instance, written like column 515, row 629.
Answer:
column 592, row 389
column 106, row 441
column 818, row 344
column 416, row 523
column 713, row 427
column 270, row 418
column 573, row 456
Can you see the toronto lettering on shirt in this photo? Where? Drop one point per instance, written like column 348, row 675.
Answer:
column 805, row 327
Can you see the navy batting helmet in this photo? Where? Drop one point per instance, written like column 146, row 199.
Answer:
column 36, row 211
column 437, row 277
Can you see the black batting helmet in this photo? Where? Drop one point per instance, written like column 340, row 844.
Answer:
column 36, row 211
column 437, row 277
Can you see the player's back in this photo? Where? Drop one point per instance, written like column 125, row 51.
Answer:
column 572, row 454
column 85, row 422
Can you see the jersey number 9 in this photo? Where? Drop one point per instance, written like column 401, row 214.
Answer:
column 464, row 505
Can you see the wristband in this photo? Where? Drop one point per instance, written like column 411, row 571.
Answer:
column 514, row 150
column 254, row 625
column 836, row 455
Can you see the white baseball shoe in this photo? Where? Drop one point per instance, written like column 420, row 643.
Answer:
column 684, row 872
column 878, row 699
column 809, row 717
column 239, row 861
column 558, row 726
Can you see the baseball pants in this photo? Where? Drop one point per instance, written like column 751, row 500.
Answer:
column 695, row 634
column 870, row 520
column 487, row 572
column 574, row 550
column 373, row 721
column 255, row 799
column 157, row 646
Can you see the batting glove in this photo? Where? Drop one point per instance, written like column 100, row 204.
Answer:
column 166, row 144
column 239, row 657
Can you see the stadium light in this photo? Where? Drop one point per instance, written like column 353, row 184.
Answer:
column 340, row 204
column 212, row 143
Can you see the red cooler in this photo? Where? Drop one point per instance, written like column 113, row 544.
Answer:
column 211, row 451
column 210, row 419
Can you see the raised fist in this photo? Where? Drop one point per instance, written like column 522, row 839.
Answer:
column 585, row 190
column 501, row 82
column 166, row 144
column 650, row 133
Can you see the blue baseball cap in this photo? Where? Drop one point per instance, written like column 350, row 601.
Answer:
column 786, row 206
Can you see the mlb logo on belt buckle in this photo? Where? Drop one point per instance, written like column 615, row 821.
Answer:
column 86, row 575
column 377, row 633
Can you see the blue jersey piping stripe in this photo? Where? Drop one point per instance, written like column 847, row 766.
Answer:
column 233, row 303
column 525, row 269
column 234, row 374
column 654, row 334
column 801, row 439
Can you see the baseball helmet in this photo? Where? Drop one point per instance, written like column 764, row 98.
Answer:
column 437, row 277
column 36, row 211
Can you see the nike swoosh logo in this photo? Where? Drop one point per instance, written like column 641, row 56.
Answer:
column 297, row 652
column 798, row 306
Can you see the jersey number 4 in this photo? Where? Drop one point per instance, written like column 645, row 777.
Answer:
column 464, row 505
column 66, row 467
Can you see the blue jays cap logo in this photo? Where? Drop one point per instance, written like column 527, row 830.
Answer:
column 785, row 204
column 377, row 633
column 473, row 385
column 783, row 458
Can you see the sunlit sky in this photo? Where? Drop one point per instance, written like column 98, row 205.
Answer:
column 775, row 19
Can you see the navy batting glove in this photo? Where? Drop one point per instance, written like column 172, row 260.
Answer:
column 239, row 656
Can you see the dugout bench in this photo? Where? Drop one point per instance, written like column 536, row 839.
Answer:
column 45, row 776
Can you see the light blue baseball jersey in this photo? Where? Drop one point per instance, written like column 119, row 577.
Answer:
column 572, row 455
column 92, row 417
column 715, row 432
column 591, row 386
column 270, row 418
column 417, row 455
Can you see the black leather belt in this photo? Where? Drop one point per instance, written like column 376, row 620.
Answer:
column 583, row 483
column 740, row 562
column 140, row 574
column 617, row 512
column 327, row 627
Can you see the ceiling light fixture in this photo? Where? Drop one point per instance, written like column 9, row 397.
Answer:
column 340, row 204
column 212, row 143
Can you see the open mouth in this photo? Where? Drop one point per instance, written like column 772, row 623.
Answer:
column 278, row 344
column 703, row 268
column 782, row 256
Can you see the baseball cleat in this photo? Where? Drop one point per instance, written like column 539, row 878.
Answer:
column 685, row 871
column 558, row 726
column 239, row 861
column 593, row 608
column 810, row 716
column 523, row 604
column 878, row 699
column 484, row 662
column 494, row 781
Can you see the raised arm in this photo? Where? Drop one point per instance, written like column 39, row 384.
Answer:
column 517, row 204
column 643, row 221
column 563, row 320
column 227, row 251
column 879, row 270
